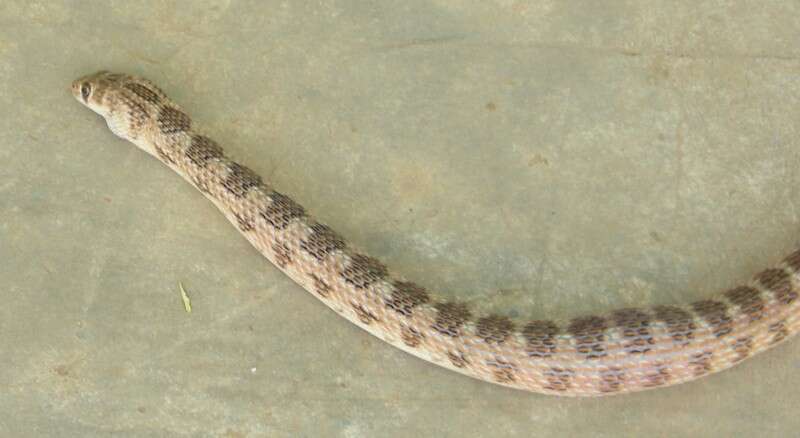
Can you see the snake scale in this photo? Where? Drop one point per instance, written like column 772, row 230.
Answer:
column 626, row 350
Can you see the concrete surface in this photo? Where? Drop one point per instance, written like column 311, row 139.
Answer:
column 538, row 158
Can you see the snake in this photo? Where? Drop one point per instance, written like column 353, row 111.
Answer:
column 625, row 350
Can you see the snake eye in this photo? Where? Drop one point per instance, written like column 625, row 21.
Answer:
column 86, row 89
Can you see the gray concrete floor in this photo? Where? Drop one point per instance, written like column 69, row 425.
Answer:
column 537, row 158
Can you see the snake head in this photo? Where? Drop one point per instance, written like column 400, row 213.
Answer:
column 99, row 92
column 91, row 90
column 124, row 101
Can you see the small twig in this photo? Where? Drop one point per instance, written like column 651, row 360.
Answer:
column 187, row 303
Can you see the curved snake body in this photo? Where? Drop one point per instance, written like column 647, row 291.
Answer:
column 626, row 350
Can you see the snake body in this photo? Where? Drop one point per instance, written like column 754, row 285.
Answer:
column 625, row 350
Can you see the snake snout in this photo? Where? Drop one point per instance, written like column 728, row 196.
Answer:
column 74, row 88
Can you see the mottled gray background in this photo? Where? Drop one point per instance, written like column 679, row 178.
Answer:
column 539, row 158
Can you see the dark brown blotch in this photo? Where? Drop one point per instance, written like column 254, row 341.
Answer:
column 494, row 329
column 504, row 372
column 793, row 261
column 742, row 346
column 137, row 115
column 364, row 270
column 779, row 332
column 283, row 255
column 281, row 210
column 364, row 315
column 700, row 363
column 715, row 314
column 504, row 375
column 450, row 317
column 244, row 223
column 144, row 92
column 458, row 358
column 635, row 327
column 680, row 323
column 658, row 377
column 411, row 336
column 240, row 180
column 202, row 149
column 405, row 296
column 590, row 335
column 558, row 379
column 322, row 240
column 114, row 77
column 779, row 283
column 748, row 300
column 541, row 337
column 173, row 121
column 612, row 379
column 320, row 286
